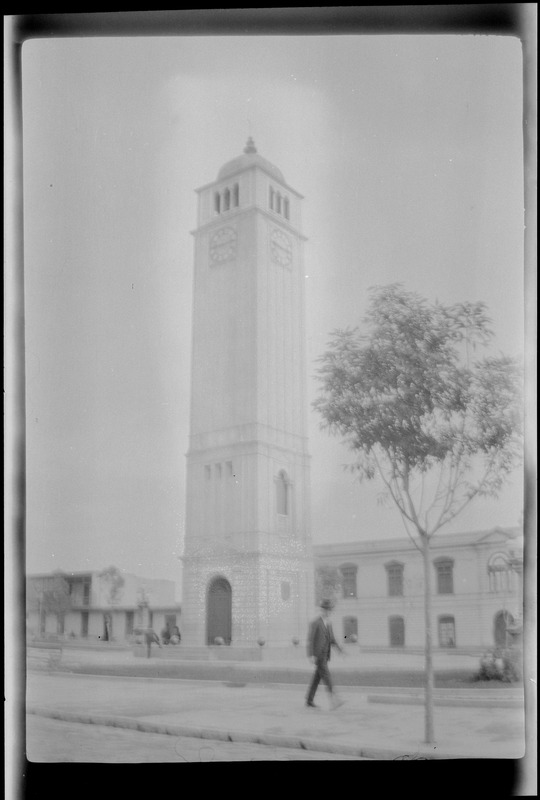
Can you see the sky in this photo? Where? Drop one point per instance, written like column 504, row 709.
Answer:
column 408, row 152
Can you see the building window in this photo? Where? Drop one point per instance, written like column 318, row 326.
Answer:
column 501, row 623
column 282, row 494
column 208, row 472
column 217, row 203
column 226, row 200
column 397, row 631
column 394, row 571
column 218, row 471
column 350, row 629
column 278, row 203
column 129, row 622
column 86, row 593
column 229, row 467
column 447, row 632
column 236, row 195
column 445, row 575
column 500, row 574
column 348, row 579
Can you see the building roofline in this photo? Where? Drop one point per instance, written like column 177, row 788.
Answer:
column 90, row 573
column 442, row 541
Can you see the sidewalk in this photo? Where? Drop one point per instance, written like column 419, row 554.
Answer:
column 373, row 722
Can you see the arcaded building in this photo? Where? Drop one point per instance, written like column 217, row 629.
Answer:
column 79, row 605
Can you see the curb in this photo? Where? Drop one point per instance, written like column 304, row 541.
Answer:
column 462, row 702
column 217, row 734
column 238, row 671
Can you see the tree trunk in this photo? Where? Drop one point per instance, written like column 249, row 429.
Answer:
column 429, row 726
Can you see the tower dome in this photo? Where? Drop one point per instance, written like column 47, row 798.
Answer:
column 249, row 158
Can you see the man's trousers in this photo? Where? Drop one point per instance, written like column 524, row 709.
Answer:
column 321, row 673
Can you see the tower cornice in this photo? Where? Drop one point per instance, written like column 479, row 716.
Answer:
column 233, row 213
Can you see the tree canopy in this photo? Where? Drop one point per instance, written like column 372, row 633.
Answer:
column 115, row 581
column 51, row 594
column 412, row 396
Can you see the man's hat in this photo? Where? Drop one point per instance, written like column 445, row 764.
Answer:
column 327, row 604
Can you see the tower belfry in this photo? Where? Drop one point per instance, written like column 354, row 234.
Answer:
column 248, row 568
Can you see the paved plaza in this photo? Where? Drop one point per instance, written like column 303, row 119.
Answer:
column 373, row 722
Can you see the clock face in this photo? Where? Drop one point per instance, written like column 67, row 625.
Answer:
column 223, row 245
column 281, row 247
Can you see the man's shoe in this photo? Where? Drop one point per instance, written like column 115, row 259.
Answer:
column 309, row 704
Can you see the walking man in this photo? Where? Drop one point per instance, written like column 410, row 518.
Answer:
column 320, row 641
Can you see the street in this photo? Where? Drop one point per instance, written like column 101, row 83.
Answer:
column 226, row 715
column 50, row 741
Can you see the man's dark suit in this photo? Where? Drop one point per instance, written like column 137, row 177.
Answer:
column 319, row 644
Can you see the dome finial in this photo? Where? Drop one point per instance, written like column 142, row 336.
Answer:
column 250, row 146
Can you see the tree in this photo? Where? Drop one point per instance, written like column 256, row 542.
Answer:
column 437, row 424
column 49, row 596
column 114, row 581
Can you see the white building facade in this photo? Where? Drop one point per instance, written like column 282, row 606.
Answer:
column 248, row 564
column 476, row 591
column 90, row 612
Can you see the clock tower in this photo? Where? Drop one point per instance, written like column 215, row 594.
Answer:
column 248, row 567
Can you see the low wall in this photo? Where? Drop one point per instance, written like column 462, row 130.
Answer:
column 193, row 653
column 43, row 656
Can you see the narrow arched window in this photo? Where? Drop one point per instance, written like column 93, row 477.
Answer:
column 217, row 203
column 278, row 203
column 282, row 494
column 271, row 198
column 226, row 200
column 499, row 573
column 236, row 195
column 286, row 207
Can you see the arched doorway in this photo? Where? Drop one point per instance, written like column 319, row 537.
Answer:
column 502, row 620
column 219, row 611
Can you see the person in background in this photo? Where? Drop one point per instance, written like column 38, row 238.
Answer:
column 150, row 636
column 165, row 635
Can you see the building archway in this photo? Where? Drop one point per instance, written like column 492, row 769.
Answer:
column 219, row 611
column 502, row 620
